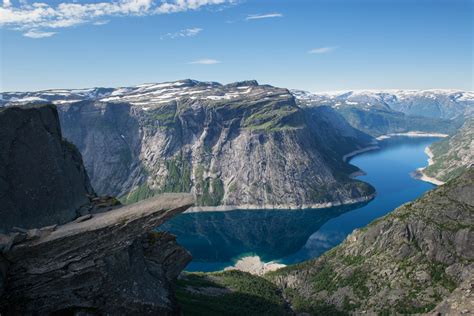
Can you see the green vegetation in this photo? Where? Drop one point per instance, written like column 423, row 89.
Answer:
column 212, row 192
column 438, row 275
column 228, row 293
column 274, row 118
column 178, row 179
column 141, row 193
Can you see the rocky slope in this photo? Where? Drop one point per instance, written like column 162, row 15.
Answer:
column 106, row 262
column 396, row 111
column 242, row 144
column 42, row 179
column 405, row 262
column 452, row 156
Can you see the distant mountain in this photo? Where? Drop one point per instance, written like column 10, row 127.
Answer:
column 452, row 156
column 396, row 111
column 241, row 144
column 436, row 103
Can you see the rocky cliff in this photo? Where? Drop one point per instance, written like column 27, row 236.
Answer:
column 42, row 178
column 243, row 144
column 109, row 264
column 99, row 259
column 405, row 262
column 452, row 156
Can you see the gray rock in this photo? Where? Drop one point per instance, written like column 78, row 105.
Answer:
column 83, row 218
column 99, row 265
column 36, row 164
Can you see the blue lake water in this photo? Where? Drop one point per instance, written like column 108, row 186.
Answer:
column 218, row 239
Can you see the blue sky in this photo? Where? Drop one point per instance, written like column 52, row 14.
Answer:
column 317, row 45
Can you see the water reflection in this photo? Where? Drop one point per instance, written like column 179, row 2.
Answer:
column 218, row 239
column 223, row 237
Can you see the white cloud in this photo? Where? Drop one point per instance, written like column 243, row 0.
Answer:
column 101, row 22
column 205, row 61
column 183, row 33
column 263, row 16
column 322, row 50
column 40, row 16
column 38, row 34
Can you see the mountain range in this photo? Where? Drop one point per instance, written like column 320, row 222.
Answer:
column 241, row 145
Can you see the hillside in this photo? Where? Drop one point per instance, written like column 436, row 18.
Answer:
column 405, row 262
column 452, row 156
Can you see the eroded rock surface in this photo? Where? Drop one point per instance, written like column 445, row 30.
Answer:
column 108, row 264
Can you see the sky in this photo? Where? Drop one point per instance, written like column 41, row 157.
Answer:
column 315, row 45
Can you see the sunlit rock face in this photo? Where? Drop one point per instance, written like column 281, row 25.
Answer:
column 241, row 144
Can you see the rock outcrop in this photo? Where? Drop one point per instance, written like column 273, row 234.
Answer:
column 42, row 178
column 406, row 262
column 110, row 264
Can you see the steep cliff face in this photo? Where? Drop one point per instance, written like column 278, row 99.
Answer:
column 406, row 262
column 243, row 144
column 42, row 179
column 452, row 156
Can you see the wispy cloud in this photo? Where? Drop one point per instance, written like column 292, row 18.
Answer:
column 205, row 61
column 322, row 50
column 263, row 16
column 42, row 17
column 103, row 22
column 38, row 34
column 183, row 33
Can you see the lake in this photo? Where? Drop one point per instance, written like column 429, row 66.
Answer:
column 218, row 239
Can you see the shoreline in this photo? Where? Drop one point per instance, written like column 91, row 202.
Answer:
column 254, row 265
column 359, row 151
column 226, row 208
column 419, row 173
column 411, row 134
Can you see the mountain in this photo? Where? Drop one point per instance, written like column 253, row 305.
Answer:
column 35, row 193
column 417, row 259
column 241, row 144
column 396, row 111
column 55, row 260
column 405, row 262
column 435, row 103
column 452, row 156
